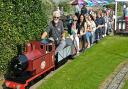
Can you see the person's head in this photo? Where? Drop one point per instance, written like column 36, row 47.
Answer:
column 99, row 14
column 90, row 17
column 94, row 15
column 56, row 16
column 83, row 5
column 75, row 19
column 82, row 18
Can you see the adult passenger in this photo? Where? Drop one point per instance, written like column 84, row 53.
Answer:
column 88, row 35
column 82, row 29
column 55, row 31
column 73, row 30
column 91, row 22
column 84, row 10
column 100, row 22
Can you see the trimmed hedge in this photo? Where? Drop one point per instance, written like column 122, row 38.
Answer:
column 20, row 21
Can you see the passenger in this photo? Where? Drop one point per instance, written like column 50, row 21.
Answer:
column 91, row 22
column 82, row 29
column 88, row 35
column 77, row 10
column 106, row 22
column 73, row 30
column 103, row 28
column 84, row 10
column 109, row 28
column 68, row 22
column 55, row 31
column 99, row 26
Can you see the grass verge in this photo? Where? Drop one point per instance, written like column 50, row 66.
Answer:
column 126, row 85
column 91, row 68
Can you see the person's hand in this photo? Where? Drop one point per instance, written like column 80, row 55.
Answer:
column 51, row 39
column 71, row 36
column 63, row 38
column 78, row 35
column 42, row 38
column 99, row 26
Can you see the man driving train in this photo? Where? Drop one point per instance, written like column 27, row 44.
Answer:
column 55, row 31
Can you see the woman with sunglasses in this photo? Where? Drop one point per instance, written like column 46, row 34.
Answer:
column 73, row 30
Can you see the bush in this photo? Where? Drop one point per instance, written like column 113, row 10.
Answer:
column 21, row 21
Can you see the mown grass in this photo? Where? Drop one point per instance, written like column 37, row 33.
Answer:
column 126, row 85
column 91, row 68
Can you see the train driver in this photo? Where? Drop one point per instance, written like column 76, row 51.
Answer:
column 55, row 31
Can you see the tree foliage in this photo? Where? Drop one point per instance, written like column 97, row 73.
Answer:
column 66, row 6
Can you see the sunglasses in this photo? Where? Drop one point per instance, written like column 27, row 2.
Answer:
column 56, row 17
column 88, row 26
column 74, row 20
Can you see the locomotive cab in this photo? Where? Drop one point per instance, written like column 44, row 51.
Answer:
column 41, row 57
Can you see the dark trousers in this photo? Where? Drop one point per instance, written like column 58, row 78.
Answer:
column 103, row 31
column 83, row 38
column 98, row 34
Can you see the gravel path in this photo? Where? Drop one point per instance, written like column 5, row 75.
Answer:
column 119, row 79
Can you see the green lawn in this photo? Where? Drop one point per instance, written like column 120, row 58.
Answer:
column 126, row 85
column 92, row 67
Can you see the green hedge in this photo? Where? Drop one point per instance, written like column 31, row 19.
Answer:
column 20, row 21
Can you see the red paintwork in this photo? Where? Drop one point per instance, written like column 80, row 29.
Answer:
column 40, row 60
column 13, row 85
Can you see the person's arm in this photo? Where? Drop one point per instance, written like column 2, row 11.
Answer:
column 94, row 25
column 44, row 35
column 103, row 24
column 85, row 27
column 63, row 32
column 97, row 24
column 63, row 35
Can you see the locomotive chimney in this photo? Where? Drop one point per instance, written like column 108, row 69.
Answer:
column 19, row 49
column 28, row 47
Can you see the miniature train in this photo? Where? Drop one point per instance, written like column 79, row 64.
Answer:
column 38, row 58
